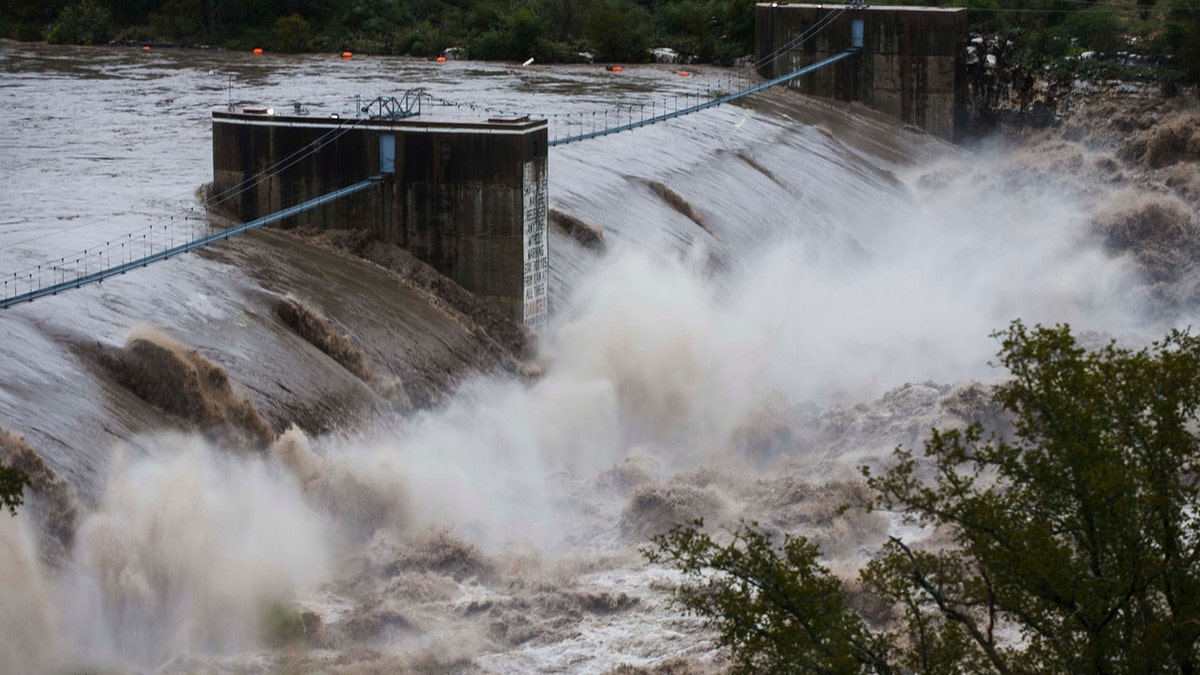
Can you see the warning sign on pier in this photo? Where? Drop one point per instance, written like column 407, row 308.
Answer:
column 537, row 245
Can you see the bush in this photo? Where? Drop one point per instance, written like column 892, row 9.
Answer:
column 292, row 34
column 27, row 32
column 523, row 34
column 87, row 23
column 1100, row 31
column 616, row 31
column 423, row 39
column 13, row 482
column 487, row 46
column 282, row 624
column 1189, row 46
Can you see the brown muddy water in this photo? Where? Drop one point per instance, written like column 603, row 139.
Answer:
column 305, row 452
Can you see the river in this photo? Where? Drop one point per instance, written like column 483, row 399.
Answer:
column 788, row 289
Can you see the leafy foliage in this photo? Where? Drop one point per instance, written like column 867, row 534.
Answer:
column 87, row 23
column 1076, row 542
column 498, row 29
column 1045, row 32
column 12, row 488
column 1185, row 36
column 614, row 28
column 778, row 612
column 292, row 34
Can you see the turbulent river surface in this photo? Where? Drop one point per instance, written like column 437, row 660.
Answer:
column 304, row 452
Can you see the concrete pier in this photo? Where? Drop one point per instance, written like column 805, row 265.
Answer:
column 468, row 198
column 911, row 67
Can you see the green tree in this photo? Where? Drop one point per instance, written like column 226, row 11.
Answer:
column 1189, row 44
column 615, row 29
column 524, row 32
column 1076, row 540
column 35, row 11
column 12, row 488
column 1094, row 30
column 777, row 612
column 738, row 27
column 87, row 23
column 292, row 34
column 188, row 20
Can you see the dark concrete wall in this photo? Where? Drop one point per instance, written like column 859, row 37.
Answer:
column 465, row 197
column 912, row 64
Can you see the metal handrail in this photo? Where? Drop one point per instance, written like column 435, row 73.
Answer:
column 113, row 271
column 707, row 104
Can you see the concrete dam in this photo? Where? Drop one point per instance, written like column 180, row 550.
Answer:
column 469, row 198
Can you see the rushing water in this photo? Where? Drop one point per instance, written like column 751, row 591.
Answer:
column 767, row 267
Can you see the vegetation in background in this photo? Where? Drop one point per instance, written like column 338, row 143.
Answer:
column 549, row 30
column 1076, row 543
column 1046, row 32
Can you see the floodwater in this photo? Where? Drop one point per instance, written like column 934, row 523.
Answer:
column 786, row 289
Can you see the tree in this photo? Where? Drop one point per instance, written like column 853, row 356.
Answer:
column 292, row 33
column 86, row 23
column 1097, row 30
column 1076, row 541
column 1189, row 44
column 524, row 32
column 615, row 30
column 776, row 612
column 12, row 488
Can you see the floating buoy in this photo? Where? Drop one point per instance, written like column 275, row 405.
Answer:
column 347, row 55
column 145, row 48
column 258, row 51
column 684, row 73
column 441, row 59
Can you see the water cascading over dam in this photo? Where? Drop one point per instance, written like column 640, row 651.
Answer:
column 312, row 460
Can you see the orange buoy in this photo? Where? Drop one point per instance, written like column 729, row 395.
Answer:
column 617, row 69
column 145, row 48
column 347, row 55
column 441, row 59
column 684, row 73
column 258, row 51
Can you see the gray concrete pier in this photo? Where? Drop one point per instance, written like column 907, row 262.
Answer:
column 468, row 198
column 911, row 66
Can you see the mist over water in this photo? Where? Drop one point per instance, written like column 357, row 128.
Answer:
column 814, row 288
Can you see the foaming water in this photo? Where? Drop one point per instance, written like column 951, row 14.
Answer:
column 31, row 641
column 184, row 553
column 779, row 294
